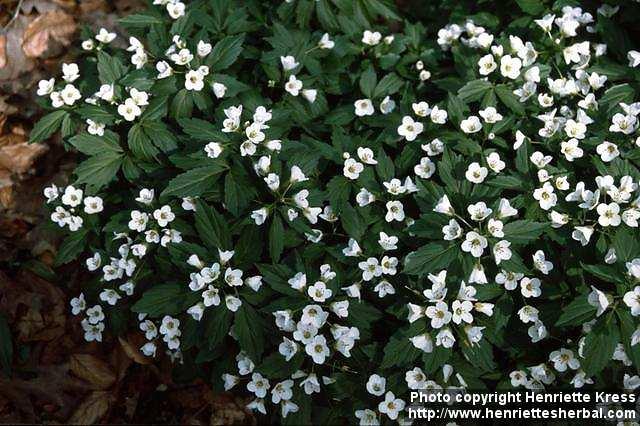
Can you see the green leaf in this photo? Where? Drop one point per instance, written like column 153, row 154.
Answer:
column 352, row 222
column 577, row 312
column 474, row 90
column 71, row 247
column 430, row 258
column 217, row 322
column 480, row 355
column 96, row 113
column 225, row 52
column 6, row 346
column 140, row 144
column 99, row 170
column 368, row 81
column 627, row 328
column 249, row 331
column 276, row 238
column 212, row 227
column 626, row 245
column 389, row 85
column 338, row 191
column 139, row 20
column 523, row 231
column 110, row 68
column 182, row 104
column 47, row 126
column 599, row 345
column 238, row 191
column 604, row 272
column 202, row 130
column 532, row 7
column 94, row 145
column 399, row 352
column 161, row 299
column 612, row 97
column 509, row 99
column 194, row 182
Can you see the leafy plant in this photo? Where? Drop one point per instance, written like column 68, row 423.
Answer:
column 298, row 202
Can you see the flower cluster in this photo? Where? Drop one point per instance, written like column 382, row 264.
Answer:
column 316, row 204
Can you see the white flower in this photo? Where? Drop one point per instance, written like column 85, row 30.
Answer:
column 319, row 292
column 425, row 169
column 476, row 173
column 363, row 107
column 632, row 299
column 72, row 197
column 203, row 48
column 562, row 359
column 310, row 95
column 288, row 62
column 395, row 211
column 78, row 304
column 93, row 205
column 487, row 65
column 370, row 269
column 104, row 36
column 129, row 110
column 293, row 86
column 510, row 67
column 194, row 80
column 138, row 221
column 540, row 263
column 317, row 349
column 145, row 196
column 461, row 311
column 609, row 214
column 371, row 38
column 471, row 124
column 634, row 58
column 70, row 72
column 325, row 42
column 260, row 216
column 439, row 314
column 495, row 163
column 444, row 206
column 546, row 196
column 352, row 168
column 45, row 87
column 391, row 406
column 176, row 9
column 575, row 129
column 474, row 243
column 258, row 385
column 409, row 128
column 69, row 95
column 387, row 105
column 608, row 151
column 388, row 242
column 501, row 251
column 366, row 155
column 376, row 385
column 110, row 296
column 490, row 115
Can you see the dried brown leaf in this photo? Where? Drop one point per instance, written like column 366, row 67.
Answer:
column 3, row 50
column 56, row 26
column 133, row 352
column 93, row 370
column 92, row 409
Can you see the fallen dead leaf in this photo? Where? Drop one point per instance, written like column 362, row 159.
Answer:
column 93, row 370
column 56, row 26
column 133, row 352
column 17, row 155
column 3, row 50
column 92, row 409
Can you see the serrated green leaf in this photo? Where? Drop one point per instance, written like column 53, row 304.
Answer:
column 194, row 182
